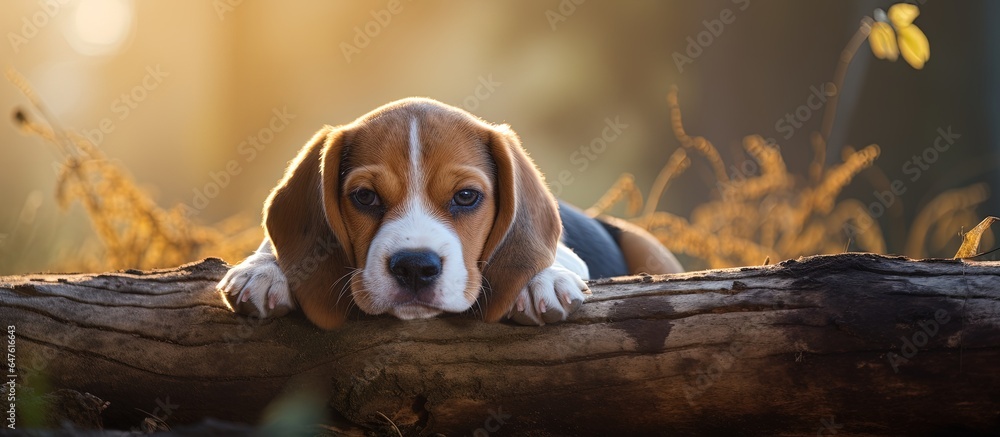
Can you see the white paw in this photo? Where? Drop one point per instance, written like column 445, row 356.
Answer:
column 259, row 286
column 551, row 296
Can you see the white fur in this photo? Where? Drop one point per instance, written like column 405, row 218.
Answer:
column 550, row 296
column 261, row 287
column 415, row 230
column 554, row 293
column 571, row 261
column 416, row 173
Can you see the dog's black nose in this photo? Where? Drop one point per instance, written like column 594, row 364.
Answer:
column 415, row 269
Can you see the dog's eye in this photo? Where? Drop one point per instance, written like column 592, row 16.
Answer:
column 366, row 197
column 466, row 198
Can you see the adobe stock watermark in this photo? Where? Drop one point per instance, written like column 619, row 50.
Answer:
column 828, row 426
column 28, row 367
column 10, row 367
column 562, row 12
column 712, row 372
column 223, row 7
column 909, row 349
column 915, row 168
column 584, row 155
column 496, row 420
column 248, row 148
column 487, row 86
column 708, row 375
column 125, row 104
column 372, row 370
column 380, row 364
column 787, row 124
column 714, row 29
column 243, row 332
column 364, row 34
column 817, row 98
column 30, row 27
column 739, row 174
column 38, row 362
column 324, row 248
column 157, row 420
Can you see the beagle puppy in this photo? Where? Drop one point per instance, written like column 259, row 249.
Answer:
column 419, row 208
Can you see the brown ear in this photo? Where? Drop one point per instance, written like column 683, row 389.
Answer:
column 310, row 254
column 526, row 229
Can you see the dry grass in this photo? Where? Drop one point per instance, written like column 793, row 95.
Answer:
column 134, row 231
column 775, row 215
column 769, row 215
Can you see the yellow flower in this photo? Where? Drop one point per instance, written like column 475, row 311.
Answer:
column 901, row 37
column 902, row 14
column 883, row 41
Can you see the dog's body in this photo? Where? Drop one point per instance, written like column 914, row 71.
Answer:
column 419, row 208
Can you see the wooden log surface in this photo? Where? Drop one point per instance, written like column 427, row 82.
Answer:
column 849, row 344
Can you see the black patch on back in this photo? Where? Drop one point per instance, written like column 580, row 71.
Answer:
column 593, row 241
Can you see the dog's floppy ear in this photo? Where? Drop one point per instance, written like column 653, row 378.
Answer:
column 526, row 230
column 312, row 256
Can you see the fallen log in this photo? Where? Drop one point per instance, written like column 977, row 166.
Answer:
column 852, row 344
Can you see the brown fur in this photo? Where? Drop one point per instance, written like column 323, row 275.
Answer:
column 527, row 228
column 512, row 235
column 643, row 252
column 312, row 258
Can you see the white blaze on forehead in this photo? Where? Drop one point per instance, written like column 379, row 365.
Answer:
column 416, row 176
column 416, row 228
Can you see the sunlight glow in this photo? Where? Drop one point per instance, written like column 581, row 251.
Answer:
column 101, row 27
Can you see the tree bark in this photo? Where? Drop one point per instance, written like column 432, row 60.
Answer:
column 852, row 344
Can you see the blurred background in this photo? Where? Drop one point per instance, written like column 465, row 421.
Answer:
column 204, row 102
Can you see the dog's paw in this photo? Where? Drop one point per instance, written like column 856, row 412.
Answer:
column 550, row 296
column 259, row 286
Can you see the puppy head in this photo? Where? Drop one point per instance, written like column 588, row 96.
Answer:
column 406, row 211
